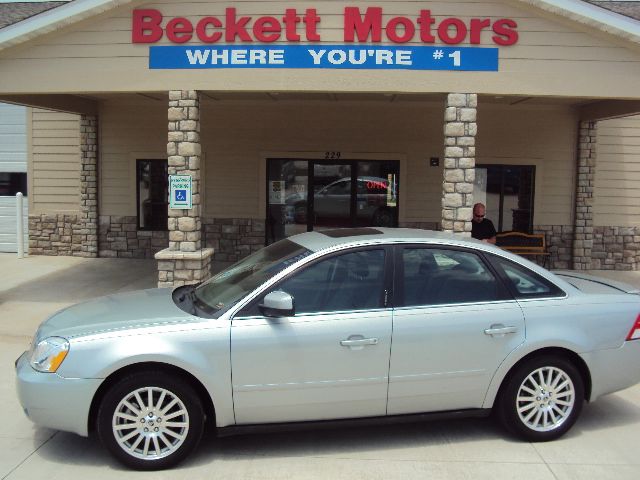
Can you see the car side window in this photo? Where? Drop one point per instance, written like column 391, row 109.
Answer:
column 525, row 283
column 439, row 276
column 351, row 281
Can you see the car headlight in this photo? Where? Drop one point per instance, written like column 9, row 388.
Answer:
column 49, row 354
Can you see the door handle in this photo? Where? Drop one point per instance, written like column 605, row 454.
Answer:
column 500, row 330
column 360, row 342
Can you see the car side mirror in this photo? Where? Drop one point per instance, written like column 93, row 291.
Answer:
column 277, row 304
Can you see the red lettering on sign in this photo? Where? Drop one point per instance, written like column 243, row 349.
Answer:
column 370, row 25
column 311, row 20
column 360, row 25
column 444, row 33
column 392, row 30
column 236, row 27
column 179, row 30
column 203, row 25
column 477, row 25
column 145, row 26
column 267, row 29
column 425, row 21
column 291, row 21
column 505, row 32
column 375, row 184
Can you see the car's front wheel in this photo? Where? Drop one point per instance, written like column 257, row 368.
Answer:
column 542, row 399
column 149, row 420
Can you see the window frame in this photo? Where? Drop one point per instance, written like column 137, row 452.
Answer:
column 504, row 294
column 251, row 310
column 493, row 259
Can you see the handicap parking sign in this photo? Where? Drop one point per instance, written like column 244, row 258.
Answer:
column 180, row 191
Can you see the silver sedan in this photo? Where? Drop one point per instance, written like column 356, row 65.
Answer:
column 355, row 324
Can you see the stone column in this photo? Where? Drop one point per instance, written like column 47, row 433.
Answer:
column 185, row 261
column 460, row 130
column 85, row 232
column 583, row 223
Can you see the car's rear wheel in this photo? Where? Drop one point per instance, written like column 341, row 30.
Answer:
column 150, row 421
column 541, row 399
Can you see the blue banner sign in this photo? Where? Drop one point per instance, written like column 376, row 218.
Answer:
column 365, row 57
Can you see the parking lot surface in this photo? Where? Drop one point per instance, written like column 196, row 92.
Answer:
column 602, row 445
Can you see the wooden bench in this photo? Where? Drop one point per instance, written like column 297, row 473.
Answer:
column 524, row 244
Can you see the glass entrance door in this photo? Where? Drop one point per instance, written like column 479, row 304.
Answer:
column 306, row 195
column 332, row 196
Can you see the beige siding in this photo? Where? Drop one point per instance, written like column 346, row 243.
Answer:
column 542, row 136
column 129, row 130
column 552, row 57
column 55, row 162
column 237, row 139
column 617, row 183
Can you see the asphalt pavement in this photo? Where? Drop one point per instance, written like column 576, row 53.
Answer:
column 602, row 445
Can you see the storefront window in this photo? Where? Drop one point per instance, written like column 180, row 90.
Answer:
column 508, row 192
column 306, row 195
column 153, row 183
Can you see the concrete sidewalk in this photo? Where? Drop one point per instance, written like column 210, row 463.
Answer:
column 600, row 446
column 33, row 288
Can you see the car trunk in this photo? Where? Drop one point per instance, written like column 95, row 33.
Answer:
column 593, row 284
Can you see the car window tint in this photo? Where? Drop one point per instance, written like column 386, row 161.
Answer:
column 353, row 281
column 438, row 276
column 525, row 282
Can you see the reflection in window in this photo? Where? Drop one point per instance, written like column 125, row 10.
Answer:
column 153, row 186
column 12, row 183
column 435, row 277
column 353, row 281
column 507, row 192
column 527, row 283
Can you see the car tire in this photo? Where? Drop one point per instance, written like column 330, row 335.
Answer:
column 149, row 420
column 541, row 399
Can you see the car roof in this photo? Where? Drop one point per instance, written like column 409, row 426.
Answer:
column 325, row 239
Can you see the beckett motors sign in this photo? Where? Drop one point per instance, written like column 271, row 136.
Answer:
column 360, row 26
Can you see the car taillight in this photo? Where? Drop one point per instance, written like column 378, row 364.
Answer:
column 634, row 334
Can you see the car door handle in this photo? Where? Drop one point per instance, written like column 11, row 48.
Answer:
column 500, row 330
column 360, row 342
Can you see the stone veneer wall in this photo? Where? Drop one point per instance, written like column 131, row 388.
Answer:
column 587, row 156
column 616, row 248
column 559, row 241
column 56, row 234
column 460, row 130
column 233, row 238
column 120, row 237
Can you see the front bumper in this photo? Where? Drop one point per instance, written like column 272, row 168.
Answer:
column 613, row 369
column 52, row 401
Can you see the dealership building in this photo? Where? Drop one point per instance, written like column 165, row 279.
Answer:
column 195, row 132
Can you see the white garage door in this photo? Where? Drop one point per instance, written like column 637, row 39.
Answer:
column 13, row 172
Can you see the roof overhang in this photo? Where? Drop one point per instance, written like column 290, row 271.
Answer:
column 55, row 19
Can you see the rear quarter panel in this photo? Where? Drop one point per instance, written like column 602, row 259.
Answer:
column 581, row 323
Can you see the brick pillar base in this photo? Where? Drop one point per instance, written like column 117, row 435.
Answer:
column 183, row 268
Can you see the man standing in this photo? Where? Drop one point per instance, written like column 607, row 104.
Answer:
column 482, row 228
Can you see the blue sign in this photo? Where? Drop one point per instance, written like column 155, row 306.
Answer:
column 358, row 57
column 181, row 195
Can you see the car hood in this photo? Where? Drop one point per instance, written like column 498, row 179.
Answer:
column 121, row 311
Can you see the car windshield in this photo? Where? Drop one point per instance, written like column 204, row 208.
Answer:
column 230, row 285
